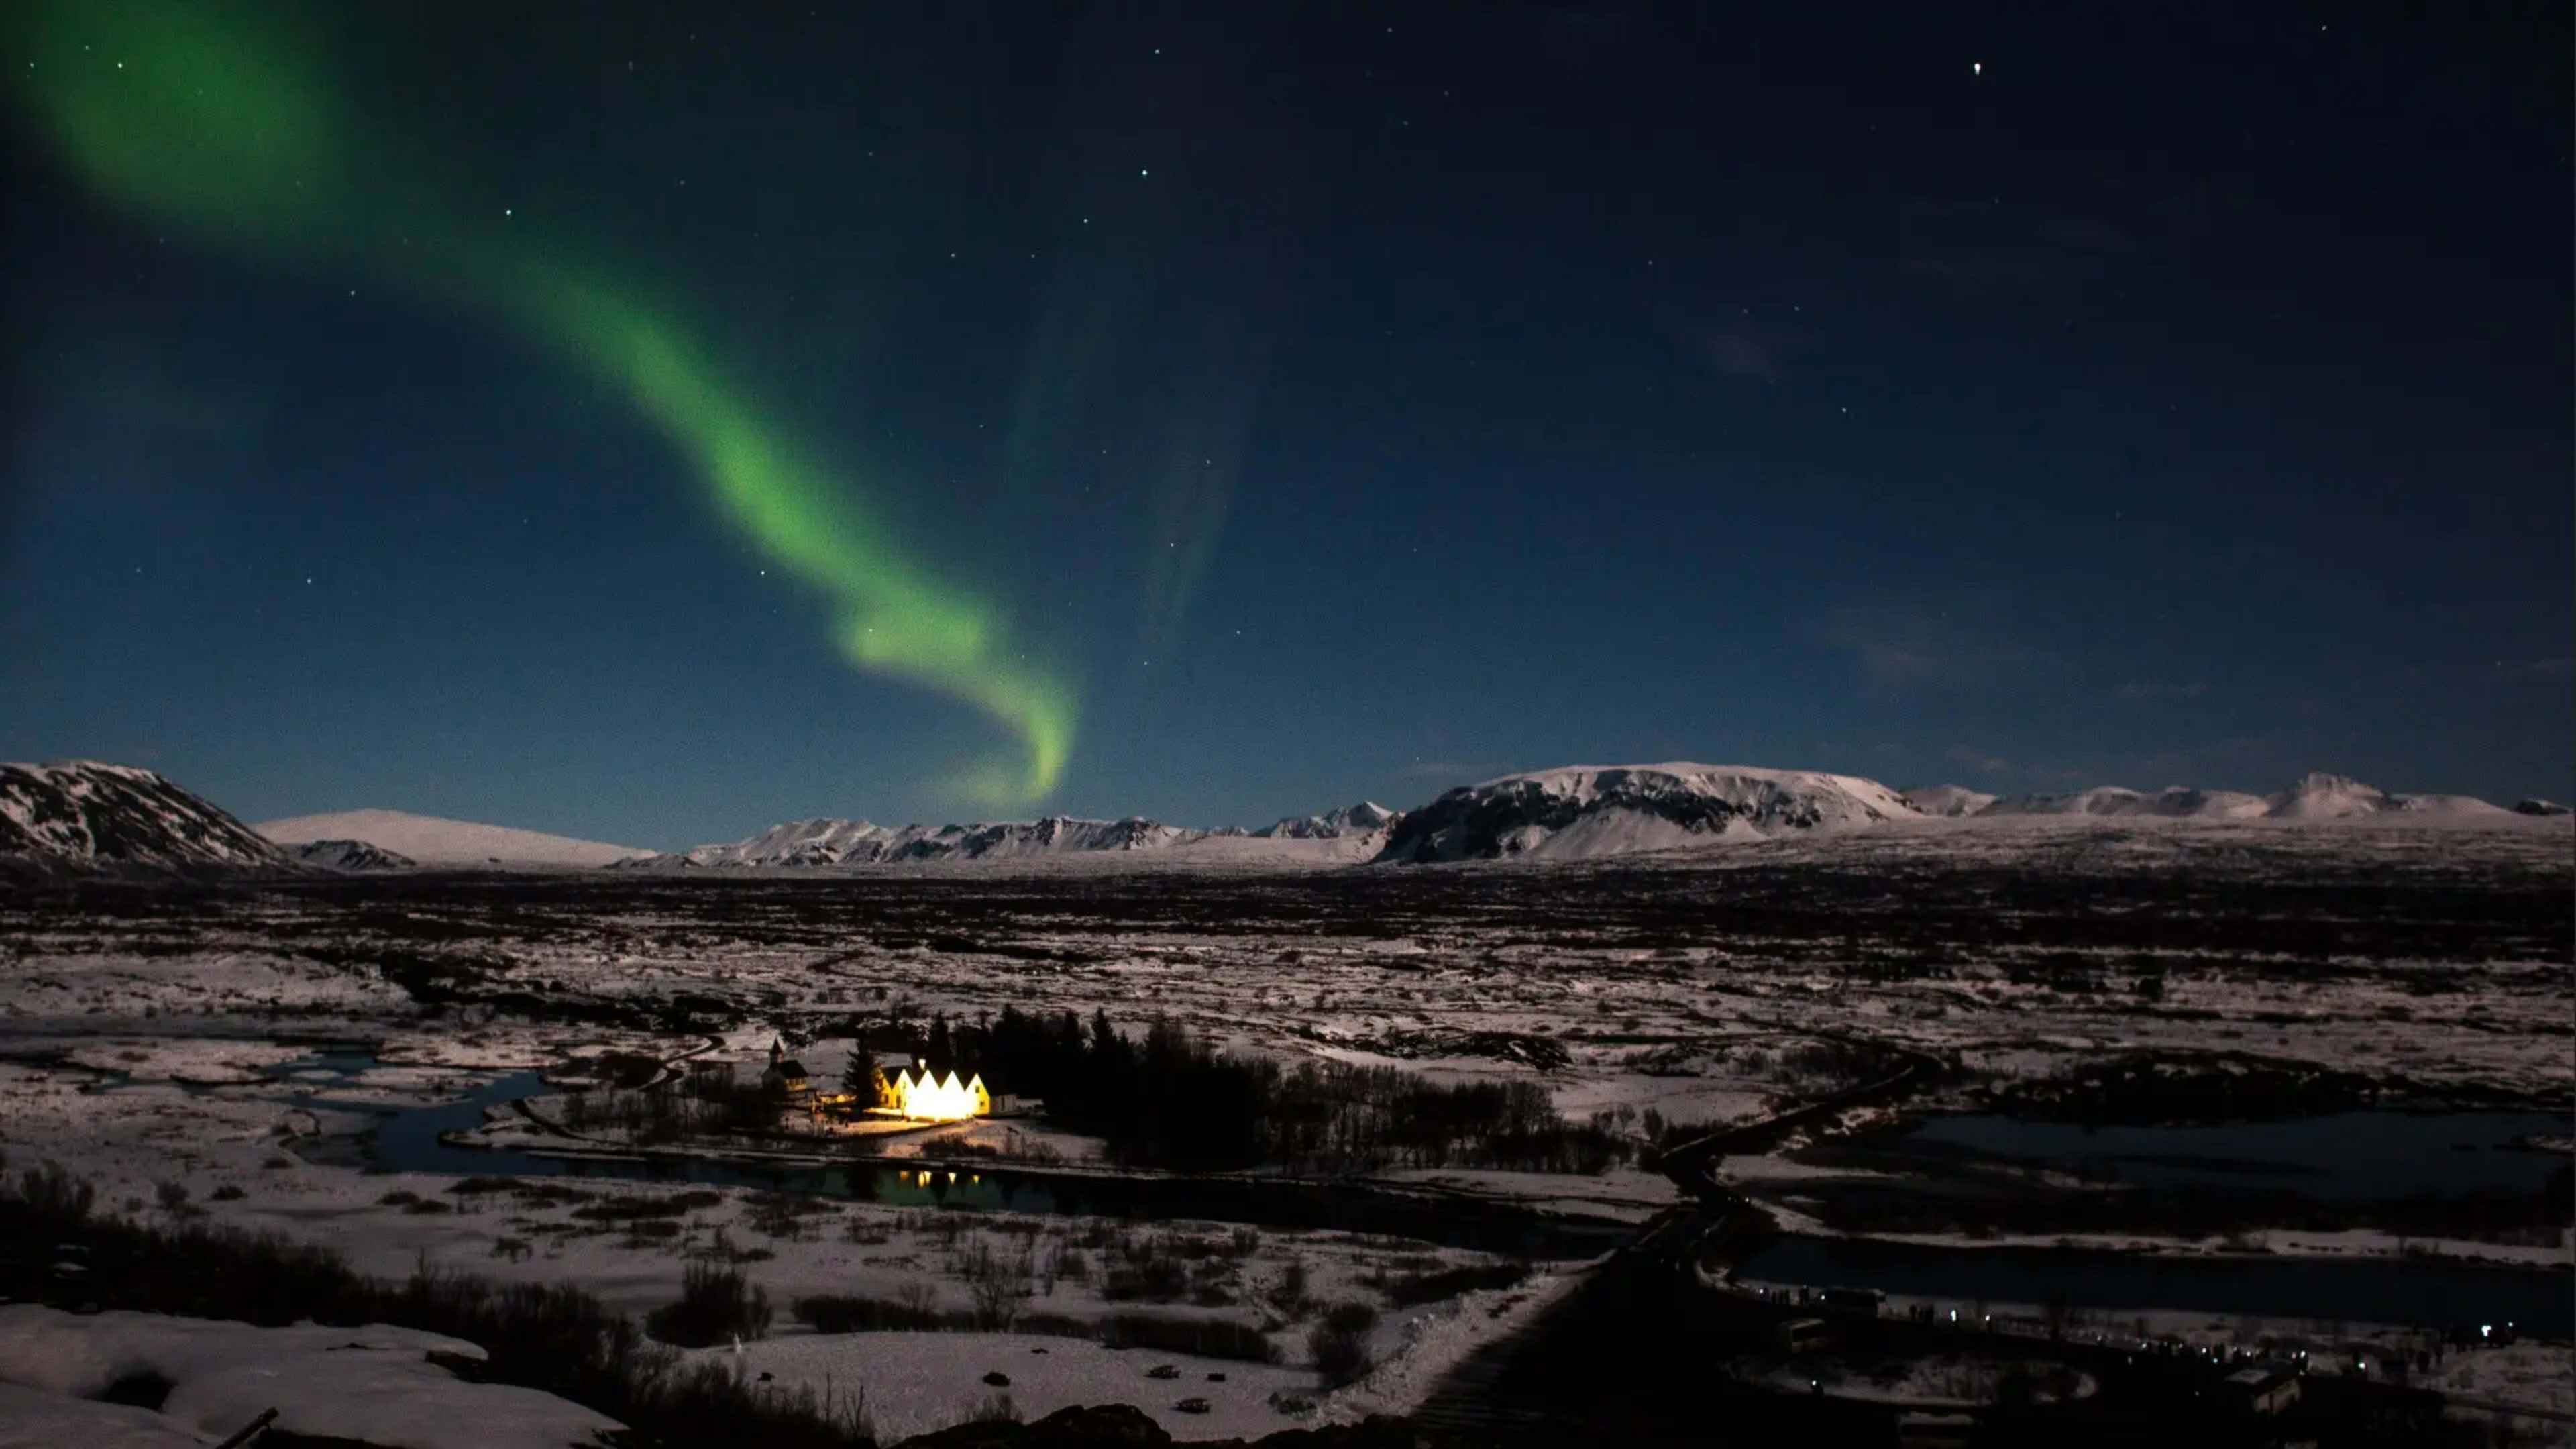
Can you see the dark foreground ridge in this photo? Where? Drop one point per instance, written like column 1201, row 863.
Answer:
column 1116, row 1426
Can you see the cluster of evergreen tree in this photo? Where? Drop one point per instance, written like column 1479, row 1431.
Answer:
column 1165, row 1099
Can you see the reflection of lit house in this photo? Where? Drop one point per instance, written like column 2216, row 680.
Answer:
column 785, row 1076
column 2268, row 1388
column 925, row 1098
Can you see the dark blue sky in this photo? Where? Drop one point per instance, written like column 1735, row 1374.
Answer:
column 1349, row 401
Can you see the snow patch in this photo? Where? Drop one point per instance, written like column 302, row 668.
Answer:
column 374, row 1384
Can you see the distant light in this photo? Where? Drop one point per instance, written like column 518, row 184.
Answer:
column 1976, row 67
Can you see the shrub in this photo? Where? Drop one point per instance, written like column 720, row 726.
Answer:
column 1201, row 1337
column 996, row 1281
column 846, row 1313
column 1153, row 1271
column 627, row 1209
column 716, row 1304
column 1340, row 1344
column 1290, row 1294
column 54, row 1196
column 1350, row 1317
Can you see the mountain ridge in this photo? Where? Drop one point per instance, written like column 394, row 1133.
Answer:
column 89, row 816
column 1593, row 811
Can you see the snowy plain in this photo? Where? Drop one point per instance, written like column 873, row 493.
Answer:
column 150, row 1037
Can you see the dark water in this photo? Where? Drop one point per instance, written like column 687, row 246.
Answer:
column 2341, row 1156
column 2402, row 1291
column 407, row 1140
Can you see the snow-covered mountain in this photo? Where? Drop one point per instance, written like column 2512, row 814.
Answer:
column 1948, row 800
column 857, row 842
column 2534, row 805
column 351, row 855
column 2313, row 797
column 1590, row 811
column 2333, row 797
column 86, row 815
column 448, row 844
column 1366, row 818
column 2174, row 802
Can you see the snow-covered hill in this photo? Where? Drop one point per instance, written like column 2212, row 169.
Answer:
column 857, row 842
column 2333, row 797
column 351, row 855
column 1366, row 818
column 449, row 844
column 1590, row 811
column 2313, row 797
column 86, row 815
column 1948, row 800
column 2174, row 802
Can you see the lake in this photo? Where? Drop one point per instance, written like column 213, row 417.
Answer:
column 2341, row 1156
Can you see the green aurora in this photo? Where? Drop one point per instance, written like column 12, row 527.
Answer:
column 183, row 114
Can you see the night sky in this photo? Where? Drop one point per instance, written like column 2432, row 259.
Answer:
column 653, row 422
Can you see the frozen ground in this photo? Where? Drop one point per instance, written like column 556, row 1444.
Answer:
column 143, row 1033
column 917, row 1382
column 374, row 1384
